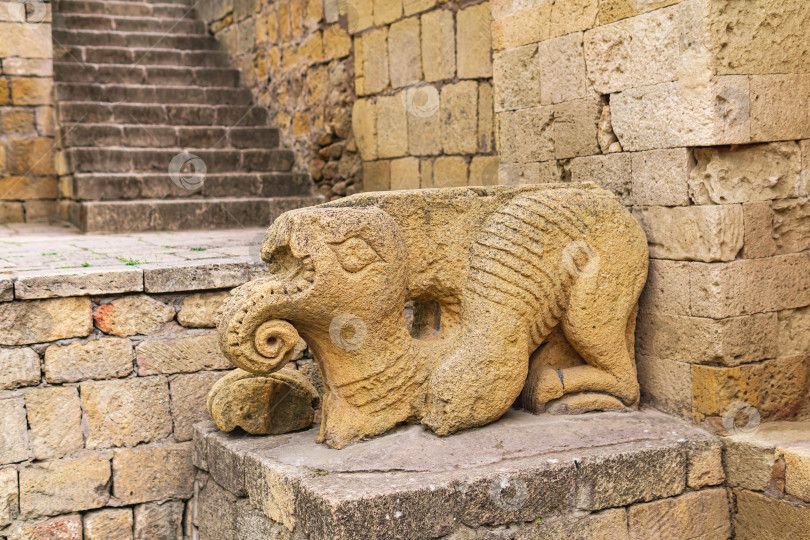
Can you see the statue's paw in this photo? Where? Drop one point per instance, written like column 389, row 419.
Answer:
column 273, row 404
column 584, row 402
column 542, row 386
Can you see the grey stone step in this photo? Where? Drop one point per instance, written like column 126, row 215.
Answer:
column 175, row 40
column 156, row 75
column 157, row 160
column 120, row 187
column 140, row 56
column 169, row 136
column 181, row 214
column 126, row 9
column 189, row 95
column 71, row 112
column 128, row 24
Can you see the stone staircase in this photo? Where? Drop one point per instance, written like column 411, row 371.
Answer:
column 140, row 83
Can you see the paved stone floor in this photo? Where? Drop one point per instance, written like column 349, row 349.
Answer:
column 29, row 247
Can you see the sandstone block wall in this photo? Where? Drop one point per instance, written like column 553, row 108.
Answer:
column 28, row 186
column 423, row 77
column 296, row 56
column 702, row 132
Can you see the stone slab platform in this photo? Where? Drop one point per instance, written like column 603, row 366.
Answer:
column 40, row 261
column 522, row 470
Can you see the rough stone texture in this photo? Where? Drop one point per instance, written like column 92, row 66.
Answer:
column 660, row 177
column 664, row 291
column 9, row 496
column 757, row 46
column 275, row 403
column 257, row 331
column 6, row 285
column 702, row 514
column 159, row 520
column 746, row 174
column 373, row 62
column 612, row 172
column 760, row 517
column 575, row 128
column 749, row 286
column 109, row 524
column 58, row 528
column 77, row 282
column 150, row 473
column 438, row 45
column 403, row 51
column 364, row 120
column 749, row 456
column 253, row 525
column 562, row 69
column 797, row 470
column 210, row 274
column 405, row 173
column 13, row 430
column 694, row 233
column 174, row 354
column 459, row 117
column 126, row 412
column 216, row 515
column 516, row 78
column 38, row 321
column 665, row 384
column 514, row 27
column 103, row 358
column 791, row 225
column 713, row 113
column 526, row 135
column 696, row 340
column 200, row 310
column 473, row 42
column 759, row 233
column 794, row 331
column 704, row 464
column 54, row 417
column 635, row 52
column 18, row 367
column 504, row 473
column 605, row 524
column 392, row 126
column 189, row 394
column 449, row 172
column 777, row 388
column 131, row 315
column 58, row 487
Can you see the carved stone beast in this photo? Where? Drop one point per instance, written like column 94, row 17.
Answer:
column 528, row 289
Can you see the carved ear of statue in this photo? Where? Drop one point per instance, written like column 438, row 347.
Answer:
column 354, row 254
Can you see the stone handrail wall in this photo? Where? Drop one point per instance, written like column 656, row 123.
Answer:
column 703, row 133
column 28, row 184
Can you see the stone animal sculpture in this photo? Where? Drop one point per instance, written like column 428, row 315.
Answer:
column 523, row 292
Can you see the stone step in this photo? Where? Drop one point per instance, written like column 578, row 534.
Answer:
column 72, row 112
column 156, row 75
column 168, row 136
column 132, row 93
column 140, row 56
column 127, row 9
column 129, row 24
column 181, row 214
column 157, row 160
column 119, row 187
column 175, row 40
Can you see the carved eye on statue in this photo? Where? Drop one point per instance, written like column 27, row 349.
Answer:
column 354, row 254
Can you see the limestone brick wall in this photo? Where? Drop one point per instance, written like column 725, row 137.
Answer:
column 423, row 77
column 695, row 113
column 296, row 56
column 28, row 186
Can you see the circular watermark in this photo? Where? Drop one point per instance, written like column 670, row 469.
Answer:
column 346, row 7
column 803, row 185
column 580, row 259
column 421, row 100
column 508, row 493
column 29, row 11
column 348, row 332
column 741, row 417
column 187, row 171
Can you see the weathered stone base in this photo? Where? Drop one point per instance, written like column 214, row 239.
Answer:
column 606, row 475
